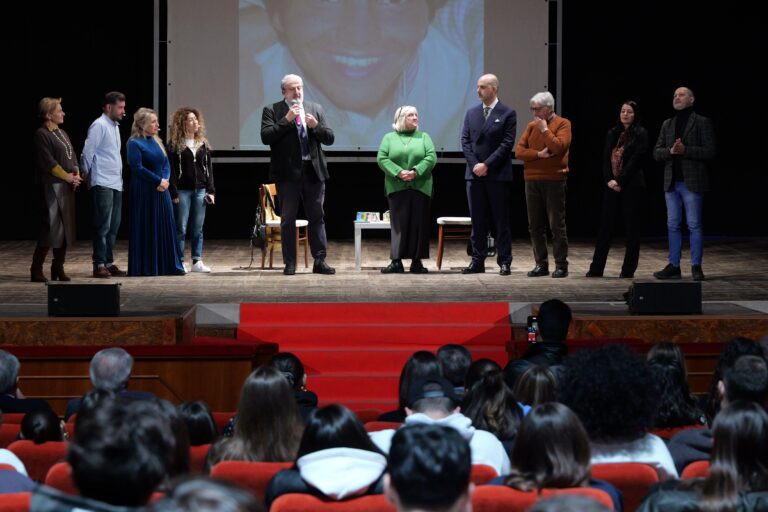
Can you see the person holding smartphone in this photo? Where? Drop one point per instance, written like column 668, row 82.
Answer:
column 191, row 183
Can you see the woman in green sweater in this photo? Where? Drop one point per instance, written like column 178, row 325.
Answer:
column 407, row 157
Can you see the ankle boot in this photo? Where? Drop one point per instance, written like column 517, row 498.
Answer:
column 57, row 266
column 36, row 270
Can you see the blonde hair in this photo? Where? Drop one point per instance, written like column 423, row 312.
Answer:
column 47, row 106
column 178, row 134
column 140, row 120
column 400, row 115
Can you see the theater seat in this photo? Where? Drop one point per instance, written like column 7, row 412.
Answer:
column 500, row 498
column 633, row 479
column 698, row 469
column 39, row 458
column 667, row 433
column 60, row 478
column 254, row 476
column 375, row 426
column 221, row 419
column 15, row 502
column 482, row 474
column 309, row 503
column 197, row 455
column 9, row 432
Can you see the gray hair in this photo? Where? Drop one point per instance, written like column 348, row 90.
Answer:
column 9, row 371
column 289, row 78
column 544, row 99
column 400, row 115
column 111, row 369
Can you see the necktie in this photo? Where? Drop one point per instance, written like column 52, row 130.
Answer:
column 486, row 111
column 302, row 137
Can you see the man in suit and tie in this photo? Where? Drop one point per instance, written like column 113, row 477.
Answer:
column 487, row 139
column 294, row 130
column 686, row 144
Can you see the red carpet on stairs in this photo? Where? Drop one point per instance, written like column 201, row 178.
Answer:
column 353, row 353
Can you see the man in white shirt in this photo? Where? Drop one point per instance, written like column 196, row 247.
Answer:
column 102, row 163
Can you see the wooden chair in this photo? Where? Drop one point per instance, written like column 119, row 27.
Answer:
column 633, row 479
column 267, row 200
column 451, row 228
column 254, row 476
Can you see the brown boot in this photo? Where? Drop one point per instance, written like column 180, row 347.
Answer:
column 57, row 266
column 36, row 270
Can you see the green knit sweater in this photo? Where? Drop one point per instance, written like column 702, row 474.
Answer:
column 406, row 151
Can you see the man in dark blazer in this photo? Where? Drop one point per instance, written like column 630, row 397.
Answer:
column 686, row 144
column 487, row 140
column 294, row 130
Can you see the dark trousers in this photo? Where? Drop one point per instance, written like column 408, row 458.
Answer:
column 107, row 211
column 490, row 197
column 409, row 218
column 629, row 203
column 545, row 202
column 310, row 192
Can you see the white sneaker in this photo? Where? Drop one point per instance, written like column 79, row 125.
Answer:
column 186, row 268
column 199, row 266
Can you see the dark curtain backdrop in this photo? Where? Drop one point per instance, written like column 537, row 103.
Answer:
column 612, row 51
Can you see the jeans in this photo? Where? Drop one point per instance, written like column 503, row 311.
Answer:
column 677, row 199
column 191, row 206
column 107, row 210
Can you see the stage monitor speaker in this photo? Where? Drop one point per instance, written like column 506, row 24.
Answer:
column 665, row 298
column 83, row 299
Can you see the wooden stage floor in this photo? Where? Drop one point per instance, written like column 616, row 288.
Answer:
column 736, row 269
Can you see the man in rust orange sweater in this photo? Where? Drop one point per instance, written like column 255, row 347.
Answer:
column 543, row 148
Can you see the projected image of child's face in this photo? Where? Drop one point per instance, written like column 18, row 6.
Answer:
column 353, row 50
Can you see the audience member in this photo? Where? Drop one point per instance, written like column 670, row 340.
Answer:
column 11, row 397
column 478, row 369
column 41, row 426
column 336, row 459
column 199, row 420
column 421, row 364
column 429, row 470
column 568, row 503
column 676, row 407
column 536, row 385
column 203, row 494
column 612, row 392
column 293, row 370
column 454, row 362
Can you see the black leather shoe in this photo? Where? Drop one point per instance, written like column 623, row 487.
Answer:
column 505, row 270
column 697, row 273
column 593, row 273
column 417, row 267
column 474, row 268
column 668, row 272
column 625, row 275
column 395, row 267
column 560, row 272
column 538, row 271
column 321, row 267
column 289, row 270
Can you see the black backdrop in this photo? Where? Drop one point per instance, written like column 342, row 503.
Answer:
column 612, row 51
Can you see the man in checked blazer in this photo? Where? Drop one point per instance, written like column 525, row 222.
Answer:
column 686, row 145
column 294, row 129
column 487, row 139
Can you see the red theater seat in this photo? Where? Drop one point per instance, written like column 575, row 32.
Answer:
column 309, row 503
column 38, row 458
column 698, row 469
column 15, row 502
column 499, row 498
column 633, row 479
column 375, row 426
column 254, row 476
column 60, row 478
column 9, row 432
column 482, row 474
column 197, row 455
column 667, row 433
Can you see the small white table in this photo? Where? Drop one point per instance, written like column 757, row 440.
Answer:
column 359, row 227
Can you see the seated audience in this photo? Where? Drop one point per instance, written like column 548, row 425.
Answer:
column 119, row 456
column 267, row 426
column 454, row 363
column 336, row 459
column 554, row 320
column 568, row 503
column 41, row 426
column 746, row 380
column 491, row 406
column 15, row 480
column 429, row 470
column 11, row 398
column 292, row 369
column 203, row 494
column 421, row 364
column 552, row 451
column 676, row 407
column 537, row 385
column 612, row 392
column 199, row 421
column 433, row 401
column 110, row 370
column 738, row 474
column 478, row 369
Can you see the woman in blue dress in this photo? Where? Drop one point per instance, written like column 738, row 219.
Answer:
column 152, row 248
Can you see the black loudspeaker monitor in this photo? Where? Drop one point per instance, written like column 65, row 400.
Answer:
column 665, row 298
column 83, row 299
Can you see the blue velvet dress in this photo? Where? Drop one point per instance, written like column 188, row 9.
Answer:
column 152, row 245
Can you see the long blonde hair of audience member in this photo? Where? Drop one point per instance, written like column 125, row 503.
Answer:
column 551, row 450
column 178, row 135
column 141, row 119
column 268, row 427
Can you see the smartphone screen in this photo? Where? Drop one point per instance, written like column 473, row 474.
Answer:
column 533, row 328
